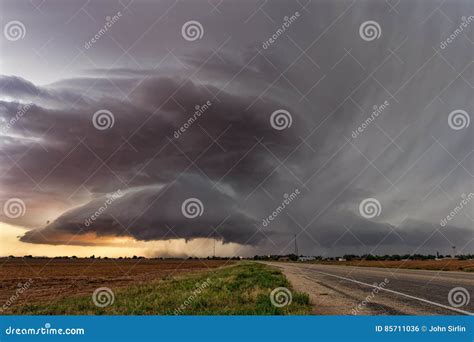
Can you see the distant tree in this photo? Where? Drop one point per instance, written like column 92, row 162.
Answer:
column 293, row 257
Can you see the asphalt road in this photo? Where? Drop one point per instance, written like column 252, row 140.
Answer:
column 345, row 290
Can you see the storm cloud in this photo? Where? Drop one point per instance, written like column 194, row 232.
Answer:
column 361, row 119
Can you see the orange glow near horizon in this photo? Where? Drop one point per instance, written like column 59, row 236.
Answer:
column 113, row 246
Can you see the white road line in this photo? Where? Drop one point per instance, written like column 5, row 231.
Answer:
column 401, row 294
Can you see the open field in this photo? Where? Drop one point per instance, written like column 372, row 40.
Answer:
column 53, row 279
column 437, row 265
column 197, row 287
column 155, row 289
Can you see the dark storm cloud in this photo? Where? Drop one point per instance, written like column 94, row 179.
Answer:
column 230, row 156
column 149, row 211
column 149, row 162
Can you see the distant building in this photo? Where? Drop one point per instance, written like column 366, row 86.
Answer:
column 283, row 259
column 341, row 259
column 306, row 258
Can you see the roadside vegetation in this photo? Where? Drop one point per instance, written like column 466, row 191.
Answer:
column 464, row 263
column 433, row 265
column 240, row 289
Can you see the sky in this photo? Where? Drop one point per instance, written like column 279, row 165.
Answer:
column 165, row 128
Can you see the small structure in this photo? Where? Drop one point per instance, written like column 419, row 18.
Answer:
column 306, row 258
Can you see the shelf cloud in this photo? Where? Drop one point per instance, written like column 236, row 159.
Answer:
column 236, row 119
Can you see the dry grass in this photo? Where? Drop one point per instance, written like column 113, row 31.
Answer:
column 443, row 265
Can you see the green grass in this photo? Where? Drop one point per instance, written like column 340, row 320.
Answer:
column 242, row 289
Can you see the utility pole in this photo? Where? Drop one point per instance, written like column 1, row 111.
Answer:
column 296, row 247
column 454, row 251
